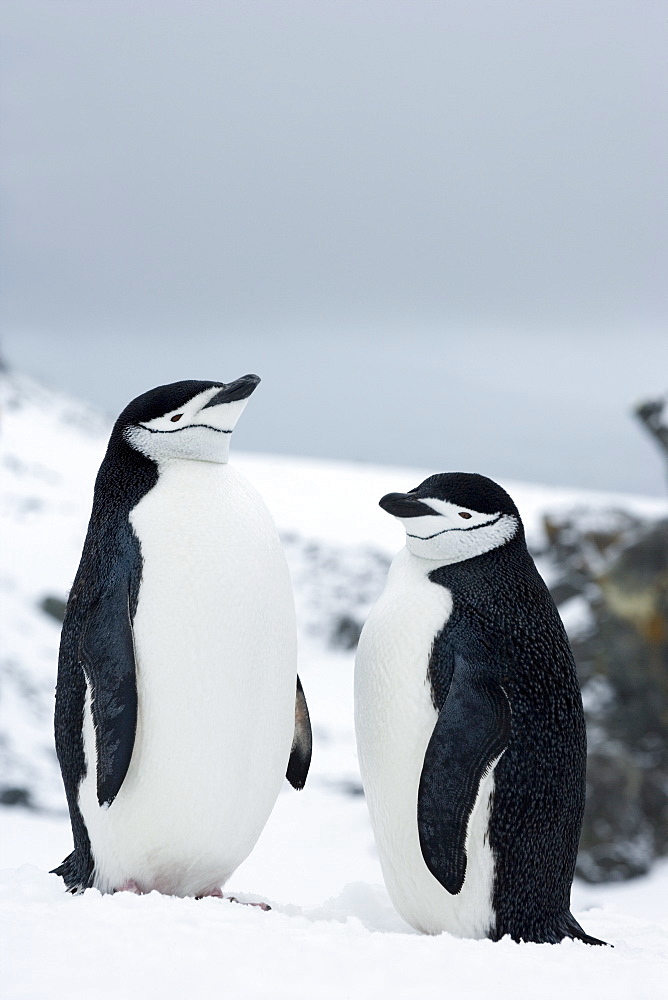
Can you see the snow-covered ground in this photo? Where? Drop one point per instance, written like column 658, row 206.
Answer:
column 332, row 931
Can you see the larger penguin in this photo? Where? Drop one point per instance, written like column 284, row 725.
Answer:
column 178, row 707
column 469, row 721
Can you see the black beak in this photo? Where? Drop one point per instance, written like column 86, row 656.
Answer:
column 240, row 389
column 404, row 505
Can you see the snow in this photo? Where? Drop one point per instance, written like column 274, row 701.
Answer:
column 332, row 931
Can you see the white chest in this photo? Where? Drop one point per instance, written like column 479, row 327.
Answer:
column 392, row 695
column 394, row 721
column 214, row 580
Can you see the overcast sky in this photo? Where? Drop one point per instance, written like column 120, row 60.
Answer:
column 437, row 229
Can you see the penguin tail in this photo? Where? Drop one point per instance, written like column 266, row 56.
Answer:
column 72, row 875
column 569, row 927
column 563, row 925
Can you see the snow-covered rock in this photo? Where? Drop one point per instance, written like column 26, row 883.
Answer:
column 51, row 447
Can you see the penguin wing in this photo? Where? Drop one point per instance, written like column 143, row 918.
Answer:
column 106, row 650
column 471, row 732
column 300, row 754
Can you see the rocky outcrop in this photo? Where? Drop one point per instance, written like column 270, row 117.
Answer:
column 616, row 566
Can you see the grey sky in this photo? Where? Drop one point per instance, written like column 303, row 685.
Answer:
column 436, row 229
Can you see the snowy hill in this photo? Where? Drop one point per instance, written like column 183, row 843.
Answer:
column 332, row 931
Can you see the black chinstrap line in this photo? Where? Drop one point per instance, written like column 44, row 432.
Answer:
column 474, row 527
column 176, row 430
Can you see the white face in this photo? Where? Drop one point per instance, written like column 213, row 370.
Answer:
column 449, row 537
column 190, row 431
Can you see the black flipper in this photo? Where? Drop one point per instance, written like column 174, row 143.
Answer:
column 472, row 730
column 300, row 754
column 77, row 868
column 106, row 649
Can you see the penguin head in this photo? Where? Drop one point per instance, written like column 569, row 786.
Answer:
column 455, row 516
column 192, row 420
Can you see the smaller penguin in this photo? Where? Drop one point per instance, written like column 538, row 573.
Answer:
column 469, row 721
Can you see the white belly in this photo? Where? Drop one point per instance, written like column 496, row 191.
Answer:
column 394, row 720
column 215, row 645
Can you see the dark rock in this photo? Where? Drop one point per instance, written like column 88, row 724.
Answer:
column 54, row 606
column 347, row 786
column 16, row 797
column 621, row 569
column 345, row 633
column 617, row 836
column 354, row 788
column 563, row 591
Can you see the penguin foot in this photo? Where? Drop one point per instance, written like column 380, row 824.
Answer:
column 130, row 886
column 218, row 894
column 262, row 906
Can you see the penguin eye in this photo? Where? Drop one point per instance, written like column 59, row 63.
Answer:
column 177, row 416
column 462, row 513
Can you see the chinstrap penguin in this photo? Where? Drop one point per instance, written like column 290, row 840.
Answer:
column 178, row 706
column 470, row 727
